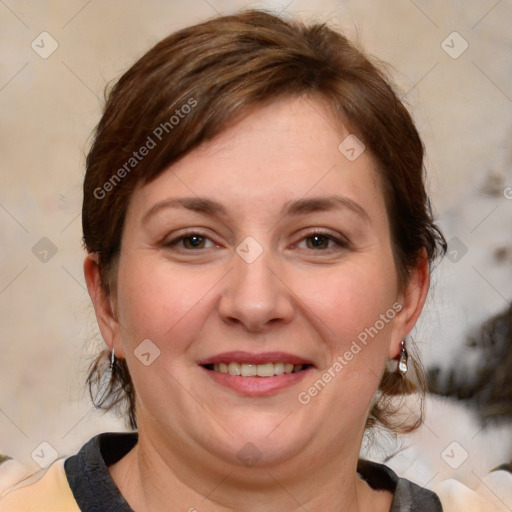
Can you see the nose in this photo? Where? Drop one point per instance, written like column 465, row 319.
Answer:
column 255, row 295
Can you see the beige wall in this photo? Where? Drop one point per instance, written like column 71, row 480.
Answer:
column 49, row 107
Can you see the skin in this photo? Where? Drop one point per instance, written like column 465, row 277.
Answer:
column 296, row 297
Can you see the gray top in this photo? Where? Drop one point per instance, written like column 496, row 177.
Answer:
column 95, row 491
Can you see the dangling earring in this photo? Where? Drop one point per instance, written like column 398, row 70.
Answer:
column 402, row 362
column 112, row 359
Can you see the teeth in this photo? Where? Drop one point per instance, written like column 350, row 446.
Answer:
column 234, row 369
column 260, row 370
column 265, row 370
column 248, row 370
column 278, row 368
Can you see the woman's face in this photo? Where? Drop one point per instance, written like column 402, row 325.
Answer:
column 262, row 250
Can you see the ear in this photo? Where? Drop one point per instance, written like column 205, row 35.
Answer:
column 104, row 306
column 412, row 299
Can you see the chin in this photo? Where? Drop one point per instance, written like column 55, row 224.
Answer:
column 261, row 443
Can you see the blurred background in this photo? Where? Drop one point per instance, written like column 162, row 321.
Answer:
column 453, row 63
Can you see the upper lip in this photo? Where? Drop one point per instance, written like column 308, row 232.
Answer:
column 240, row 356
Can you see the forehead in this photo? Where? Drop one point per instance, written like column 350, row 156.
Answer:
column 285, row 150
column 282, row 134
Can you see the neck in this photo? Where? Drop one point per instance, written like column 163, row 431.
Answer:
column 157, row 478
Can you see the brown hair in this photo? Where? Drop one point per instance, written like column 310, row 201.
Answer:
column 193, row 84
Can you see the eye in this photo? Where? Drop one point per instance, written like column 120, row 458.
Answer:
column 191, row 241
column 322, row 241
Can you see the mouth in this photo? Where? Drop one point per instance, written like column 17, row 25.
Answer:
column 256, row 370
column 253, row 374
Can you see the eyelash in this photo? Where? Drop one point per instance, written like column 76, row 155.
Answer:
column 341, row 243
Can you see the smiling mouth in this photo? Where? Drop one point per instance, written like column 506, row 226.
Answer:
column 256, row 370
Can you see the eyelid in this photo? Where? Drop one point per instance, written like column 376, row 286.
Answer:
column 339, row 239
column 185, row 234
column 336, row 237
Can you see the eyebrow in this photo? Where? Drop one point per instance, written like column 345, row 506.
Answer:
column 292, row 208
column 195, row 204
column 324, row 204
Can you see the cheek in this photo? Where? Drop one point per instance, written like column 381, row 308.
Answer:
column 350, row 299
column 161, row 303
column 353, row 310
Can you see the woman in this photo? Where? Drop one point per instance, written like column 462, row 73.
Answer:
column 259, row 241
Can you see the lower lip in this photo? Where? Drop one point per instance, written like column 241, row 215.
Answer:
column 257, row 386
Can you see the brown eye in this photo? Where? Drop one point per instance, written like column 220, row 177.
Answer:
column 194, row 242
column 190, row 242
column 318, row 242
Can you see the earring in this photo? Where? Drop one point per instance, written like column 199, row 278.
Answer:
column 112, row 359
column 402, row 362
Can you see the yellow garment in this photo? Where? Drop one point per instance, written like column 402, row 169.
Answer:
column 51, row 493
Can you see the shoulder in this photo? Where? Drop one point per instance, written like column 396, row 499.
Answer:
column 493, row 494
column 49, row 492
column 407, row 496
column 79, row 482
